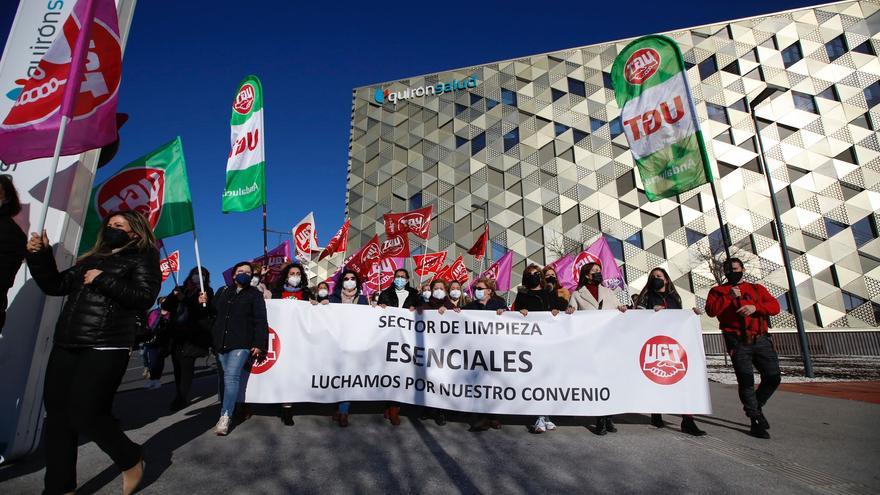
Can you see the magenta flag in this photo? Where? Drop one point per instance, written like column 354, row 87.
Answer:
column 564, row 273
column 77, row 77
column 499, row 272
column 598, row 252
column 278, row 258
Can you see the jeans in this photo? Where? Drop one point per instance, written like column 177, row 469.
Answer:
column 78, row 394
column 746, row 357
column 231, row 365
column 156, row 361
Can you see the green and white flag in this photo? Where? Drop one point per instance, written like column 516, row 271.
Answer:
column 155, row 185
column 246, row 166
column 659, row 118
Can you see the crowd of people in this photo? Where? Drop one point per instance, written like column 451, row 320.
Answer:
column 111, row 289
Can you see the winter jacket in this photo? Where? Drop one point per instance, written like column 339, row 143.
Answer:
column 537, row 300
column 435, row 303
column 582, row 299
column 388, row 297
column 721, row 303
column 108, row 312
column 12, row 252
column 241, row 319
column 653, row 299
column 278, row 293
column 493, row 304
column 336, row 298
column 189, row 323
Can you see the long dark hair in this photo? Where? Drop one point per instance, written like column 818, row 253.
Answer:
column 540, row 276
column 206, row 277
column 11, row 205
column 285, row 272
column 584, row 275
column 337, row 289
column 670, row 288
column 139, row 224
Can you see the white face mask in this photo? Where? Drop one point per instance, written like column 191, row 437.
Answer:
column 294, row 281
column 455, row 293
column 322, row 293
column 255, row 281
column 349, row 284
column 426, row 295
column 439, row 294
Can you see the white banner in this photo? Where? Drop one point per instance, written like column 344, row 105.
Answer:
column 586, row 364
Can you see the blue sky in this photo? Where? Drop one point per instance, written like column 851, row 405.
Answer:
column 184, row 60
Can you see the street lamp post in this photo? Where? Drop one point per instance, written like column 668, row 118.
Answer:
column 485, row 207
column 780, row 231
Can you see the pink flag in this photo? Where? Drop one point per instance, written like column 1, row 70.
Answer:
column 78, row 77
column 499, row 272
column 278, row 257
column 598, row 252
column 564, row 273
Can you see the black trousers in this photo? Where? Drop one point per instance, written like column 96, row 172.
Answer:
column 746, row 358
column 78, row 393
column 184, row 369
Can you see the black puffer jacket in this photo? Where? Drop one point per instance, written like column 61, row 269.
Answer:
column 12, row 251
column 108, row 312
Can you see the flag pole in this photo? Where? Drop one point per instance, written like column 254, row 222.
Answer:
column 44, row 209
column 265, row 229
column 198, row 262
column 173, row 275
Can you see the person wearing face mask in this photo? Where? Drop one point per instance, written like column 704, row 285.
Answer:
column 259, row 281
column 108, row 292
column 439, row 301
column 485, row 299
column 240, row 335
column 400, row 294
column 743, row 311
column 346, row 291
column 12, row 241
column 156, row 346
column 292, row 284
column 188, row 331
column 322, row 293
column 551, row 283
column 592, row 295
column 659, row 294
column 533, row 296
column 426, row 293
column 458, row 298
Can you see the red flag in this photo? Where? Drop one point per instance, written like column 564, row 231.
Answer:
column 457, row 271
column 442, row 274
column 396, row 246
column 338, row 243
column 170, row 264
column 479, row 247
column 363, row 260
column 427, row 264
column 417, row 221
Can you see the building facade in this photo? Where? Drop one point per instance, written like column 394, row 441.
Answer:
column 539, row 140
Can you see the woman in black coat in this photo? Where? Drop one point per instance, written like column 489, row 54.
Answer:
column 12, row 241
column 188, row 330
column 109, row 290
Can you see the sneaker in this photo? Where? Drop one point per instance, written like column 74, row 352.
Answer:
column 222, row 426
column 540, row 426
column 758, row 431
column 550, row 425
column 146, row 373
column 149, row 385
column 157, row 384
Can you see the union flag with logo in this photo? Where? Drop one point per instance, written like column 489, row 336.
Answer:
column 170, row 265
column 427, row 264
column 416, row 221
column 155, row 185
column 362, row 261
column 395, row 246
column 338, row 243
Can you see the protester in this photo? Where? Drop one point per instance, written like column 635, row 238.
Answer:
column 440, row 301
column 485, row 299
column 109, row 290
column 12, row 241
column 658, row 294
column 456, row 295
column 240, row 332
column 156, row 347
column 190, row 331
column 259, row 281
column 592, row 295
column 400, row 294
column 346, row 291
column 426, row 292
column 292, row 284
column 551, row 283
column 322, row 293
column 533, row 296
column 743, row 311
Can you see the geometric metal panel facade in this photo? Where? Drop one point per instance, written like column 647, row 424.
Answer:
column 540, row 140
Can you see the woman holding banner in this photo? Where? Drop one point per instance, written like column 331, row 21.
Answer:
column 658, row 294
column 551, row 282
column 592, row 295
column 346, row 291
column 456, row 295
column 292, row 284
column 109, row 290
column 485, row 299
column 322, row 293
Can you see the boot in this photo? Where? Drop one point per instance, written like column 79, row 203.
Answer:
column 343, row 420
column 440, row 418
column 601, row 427
column 657, row 421
column 689, row 426
column 287, row 416
column 609, row 425
column 762, row 420
column 757, row 430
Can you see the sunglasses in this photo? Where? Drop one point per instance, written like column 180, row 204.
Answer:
column 480, row 288
column 349, row 278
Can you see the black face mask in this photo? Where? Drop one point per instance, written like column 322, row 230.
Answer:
column 551, row 281
column 596, row 278
column 733, row 278
column 532, row 280
column 657, row 283
column 115, row 238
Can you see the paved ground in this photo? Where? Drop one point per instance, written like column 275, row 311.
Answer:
column 819, row 445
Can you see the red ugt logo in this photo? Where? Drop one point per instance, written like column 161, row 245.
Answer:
column 271, row 357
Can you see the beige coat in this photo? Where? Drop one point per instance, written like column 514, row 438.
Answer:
column 582, row 299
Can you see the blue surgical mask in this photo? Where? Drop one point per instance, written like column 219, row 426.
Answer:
column 479, row 293
column 400, row 282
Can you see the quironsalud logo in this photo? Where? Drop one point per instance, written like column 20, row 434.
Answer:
column 380, row 96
